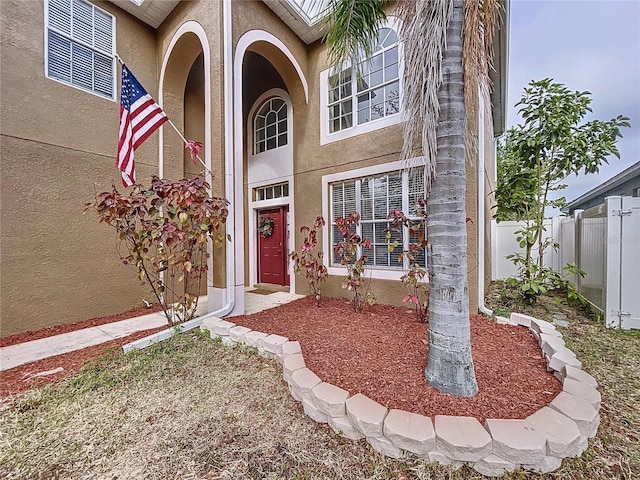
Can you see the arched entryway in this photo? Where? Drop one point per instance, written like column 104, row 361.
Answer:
column 185, row 95
column 269, row 87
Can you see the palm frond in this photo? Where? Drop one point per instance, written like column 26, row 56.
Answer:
column 423, row 35
column 481, row 21
column 353, row 29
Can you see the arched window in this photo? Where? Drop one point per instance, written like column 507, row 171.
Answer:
column 270, row 126
column 370, row 91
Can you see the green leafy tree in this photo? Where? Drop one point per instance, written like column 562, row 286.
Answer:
column 552, row 143
column 515, row 189
column 447, row 49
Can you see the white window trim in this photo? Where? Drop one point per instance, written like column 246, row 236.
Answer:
column 380, row 273
column 387, row 121
column 113, row 52
column 249, row 143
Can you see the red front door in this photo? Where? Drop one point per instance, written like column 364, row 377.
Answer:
column 272, row 247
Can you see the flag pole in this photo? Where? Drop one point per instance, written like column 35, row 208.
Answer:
column 185, row 141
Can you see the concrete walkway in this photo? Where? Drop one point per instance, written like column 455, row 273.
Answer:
column 23, row 353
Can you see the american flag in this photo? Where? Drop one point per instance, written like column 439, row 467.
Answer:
column 140, row 116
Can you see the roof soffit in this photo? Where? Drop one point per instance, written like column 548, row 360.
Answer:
column 304, row 17
column 151, row 12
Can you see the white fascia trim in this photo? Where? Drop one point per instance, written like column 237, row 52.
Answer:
column 389, row 120
column 374, row 272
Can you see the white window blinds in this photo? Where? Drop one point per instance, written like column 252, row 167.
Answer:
column 374, row 198
column 80, row 46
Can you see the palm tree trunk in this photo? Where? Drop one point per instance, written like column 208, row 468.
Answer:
column 450, row 365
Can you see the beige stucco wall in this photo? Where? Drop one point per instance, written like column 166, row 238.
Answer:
column 67, row 139
column 56, row 264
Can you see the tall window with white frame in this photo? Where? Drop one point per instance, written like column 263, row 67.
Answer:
column 369, row 91
column 270, row 126
column 374, row 198
column 80, row 46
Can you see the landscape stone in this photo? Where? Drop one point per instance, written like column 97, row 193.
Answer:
column 560, row 320
column 579, row 374
column 330, row 399
column 272, row 345
column 582, row 390
column 410, row 431
column 294, row 392
column 312, row 412
column 549, row 331
column 562, row 433
column 208, row 323
column 563, row 357
column 548, row 464
column 254, row 339
column 238, row 333
column 227, row 341
column 521, row 319
column 291, row 348
column 462, row 438
column 505, row 321
column 366, row 415
column 536, row 335
column 578, row 410
column 442, row 459
column 550, row 344
column 493, row 466
column 303, row 381
column 582, row 446
column 516, row 441
column 343, row 426
column 537, row 325
column 290, row 365
column 222, row 328
column 385, row 447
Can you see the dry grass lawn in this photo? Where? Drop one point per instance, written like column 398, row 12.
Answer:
column 194, row 409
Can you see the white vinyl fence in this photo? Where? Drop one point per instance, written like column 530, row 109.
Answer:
column 604, row 241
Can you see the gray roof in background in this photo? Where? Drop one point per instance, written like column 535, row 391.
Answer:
column 625, row 175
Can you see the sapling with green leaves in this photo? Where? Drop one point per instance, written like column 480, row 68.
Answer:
column 536, row 157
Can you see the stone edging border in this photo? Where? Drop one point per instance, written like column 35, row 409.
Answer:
column 538, row 443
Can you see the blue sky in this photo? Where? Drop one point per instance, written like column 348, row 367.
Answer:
column 591, row 45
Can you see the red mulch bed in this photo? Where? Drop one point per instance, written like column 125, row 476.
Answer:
column 71, row 327
column 382, row 354
column 19, row 379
